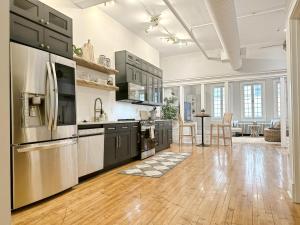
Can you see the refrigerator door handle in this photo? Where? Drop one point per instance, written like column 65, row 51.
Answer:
column 46, row 145
column 49, row 101
column 56, row 97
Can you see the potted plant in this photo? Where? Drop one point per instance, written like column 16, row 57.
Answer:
column 169, row 109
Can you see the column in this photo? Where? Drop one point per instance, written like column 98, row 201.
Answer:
column 283, row 112
column 203, row 97
column 181, row 101
column 226, row 96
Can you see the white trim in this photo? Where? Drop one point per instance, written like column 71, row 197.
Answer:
column 263, row 83
column 214, row 79
column 220, row 85
column 275, row 96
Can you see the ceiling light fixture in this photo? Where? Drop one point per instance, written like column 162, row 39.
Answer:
column 109, row 3
column 172, row 39
column 154, row 22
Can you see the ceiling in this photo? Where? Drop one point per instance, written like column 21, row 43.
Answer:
column 260, row 22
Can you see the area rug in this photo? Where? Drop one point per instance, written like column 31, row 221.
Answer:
column 157, row 165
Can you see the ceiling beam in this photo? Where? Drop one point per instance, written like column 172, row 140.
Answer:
column 188, row 30
column 83, row 4
column 260, row 13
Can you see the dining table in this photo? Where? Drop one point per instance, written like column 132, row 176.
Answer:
column 202, row 115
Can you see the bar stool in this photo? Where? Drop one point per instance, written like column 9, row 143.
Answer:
column 191, row 126
column 226, row 123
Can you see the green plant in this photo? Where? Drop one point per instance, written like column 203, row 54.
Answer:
column 169, row 109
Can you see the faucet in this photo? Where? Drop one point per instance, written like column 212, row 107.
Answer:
column 97, row 110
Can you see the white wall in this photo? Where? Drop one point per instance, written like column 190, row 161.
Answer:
column 107, row 36
column 194, row 65
column 4, row 114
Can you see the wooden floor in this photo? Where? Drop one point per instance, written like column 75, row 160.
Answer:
column 245, row 185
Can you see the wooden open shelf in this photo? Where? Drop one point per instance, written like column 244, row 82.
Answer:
column 95, row 66
column 91, row 84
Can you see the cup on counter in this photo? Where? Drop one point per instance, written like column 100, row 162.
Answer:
column 102, row 60
column 107, row 62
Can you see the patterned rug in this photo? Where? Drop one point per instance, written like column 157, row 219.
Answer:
column 157, row 165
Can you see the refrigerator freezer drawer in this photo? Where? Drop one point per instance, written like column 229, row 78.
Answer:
column 43, row 171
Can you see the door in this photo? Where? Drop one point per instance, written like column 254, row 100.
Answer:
column 26, row 32
column 58, row 44
column 57, row 21
column 30, row 94
column 44, row 169
column 110, row 147
column 65, row 124
column 30, row 9
column 123, row 150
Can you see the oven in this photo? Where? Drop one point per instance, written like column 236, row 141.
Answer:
column 147, row 139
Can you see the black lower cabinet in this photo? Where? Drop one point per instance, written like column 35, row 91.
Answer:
column 135, row 141
column 163, row 134
column 120, row 144
column 123, row 147
column 110, row 148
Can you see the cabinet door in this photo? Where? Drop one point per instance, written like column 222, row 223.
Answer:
column 123, row 150
column 160, row 92
column 58, row 44
column 26, row 32
column 155, row 90
column 130, row 73
column 57, row 21
column 30, row 9
column 165, row 138
column 138, row 76
column 150, row 89
column 110, row 147
column 170, row 134
column 134, row 145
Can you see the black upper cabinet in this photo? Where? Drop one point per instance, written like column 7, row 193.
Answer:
column 58, row 44
column 133, row 69
column 30, row 9
column 25, row 31
column 58, row 22
column 42, row 14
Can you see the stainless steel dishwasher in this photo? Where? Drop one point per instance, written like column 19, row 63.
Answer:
column 90, row 151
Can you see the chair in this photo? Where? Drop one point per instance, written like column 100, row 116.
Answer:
column 226, row 123
column 191, row 126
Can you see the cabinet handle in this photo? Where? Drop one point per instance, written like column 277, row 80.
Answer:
column 124, row 127
column 135, row 126
column 111, row 128
column 47, row 23
column 48, row 47
column 42, row 20
column 42, row 45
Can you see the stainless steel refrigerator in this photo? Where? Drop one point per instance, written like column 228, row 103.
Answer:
column 44, row 127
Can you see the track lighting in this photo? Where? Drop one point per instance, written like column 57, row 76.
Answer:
column 154, row 22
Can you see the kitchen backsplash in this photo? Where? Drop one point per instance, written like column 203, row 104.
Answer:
column 114, row 110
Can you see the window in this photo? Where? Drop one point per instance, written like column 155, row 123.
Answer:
column 277, row 87
column 218, row 102
column 253, row 101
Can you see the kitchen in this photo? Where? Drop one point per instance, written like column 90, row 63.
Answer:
column 78, row 117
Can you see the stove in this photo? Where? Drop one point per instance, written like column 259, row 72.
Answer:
column 147, row 138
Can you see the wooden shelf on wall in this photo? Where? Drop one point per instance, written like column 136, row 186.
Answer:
column 95, row 66
column 91, row 84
